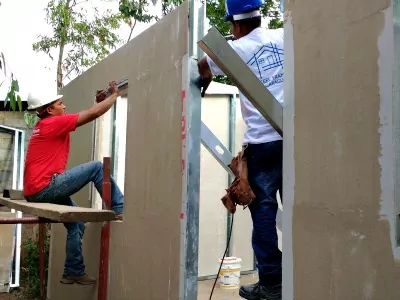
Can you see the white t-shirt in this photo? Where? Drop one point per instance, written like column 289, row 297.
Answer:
column 262, row 51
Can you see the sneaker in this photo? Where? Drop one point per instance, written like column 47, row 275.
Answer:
column 259, row 292
column 119, row 217
column 83, row 279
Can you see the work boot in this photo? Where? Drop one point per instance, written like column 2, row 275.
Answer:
column 259, row 292
column 119, row 217
column 83, row 279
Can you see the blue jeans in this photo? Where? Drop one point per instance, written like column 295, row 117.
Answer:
column 265, row 178
column 64, row 185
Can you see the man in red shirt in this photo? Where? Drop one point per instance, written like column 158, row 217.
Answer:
column 46, row 179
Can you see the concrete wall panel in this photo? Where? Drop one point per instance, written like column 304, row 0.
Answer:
column 145, row 247
column 342, row 174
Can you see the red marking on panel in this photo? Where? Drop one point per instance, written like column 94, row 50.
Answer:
column 183, row 120
column 182, row 215
column 183, row 128
column 183, row 94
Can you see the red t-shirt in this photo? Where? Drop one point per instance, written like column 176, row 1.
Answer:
column 48, row 151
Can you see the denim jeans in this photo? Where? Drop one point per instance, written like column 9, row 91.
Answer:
column 265, row 178
column 64, row 185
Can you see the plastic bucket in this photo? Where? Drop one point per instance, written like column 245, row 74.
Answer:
column 229, row 276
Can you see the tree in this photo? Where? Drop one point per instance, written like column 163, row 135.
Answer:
column 137, row 9
column 12, row 95
column 80, row 42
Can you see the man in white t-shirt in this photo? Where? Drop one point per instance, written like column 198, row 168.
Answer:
column 262, row 50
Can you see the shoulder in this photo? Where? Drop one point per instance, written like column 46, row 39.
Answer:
column 256, row 42
column 265, row 35
column 259, row 36
column 57, row 119
column 59, row 125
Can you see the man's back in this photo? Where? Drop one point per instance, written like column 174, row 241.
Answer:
column 262, row 51
column 47, row 152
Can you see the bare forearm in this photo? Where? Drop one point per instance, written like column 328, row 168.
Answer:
column 101, row 108
column 96, row 110
column 205, row 74
column 204, row 68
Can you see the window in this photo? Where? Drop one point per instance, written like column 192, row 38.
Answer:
column 110, row 140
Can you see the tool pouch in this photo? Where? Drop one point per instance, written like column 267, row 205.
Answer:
column 239, row 192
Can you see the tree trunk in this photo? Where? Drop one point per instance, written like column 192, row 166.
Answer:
column 61, row 57
column 59, row 67
column 132, row 28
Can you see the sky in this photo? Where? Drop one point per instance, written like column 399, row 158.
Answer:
column 20, row 23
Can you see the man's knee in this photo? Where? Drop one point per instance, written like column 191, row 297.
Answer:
column 72, row 227
column 95, row 167
column 98, row 164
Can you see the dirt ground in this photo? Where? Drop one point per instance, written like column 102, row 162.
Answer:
column 204, row 289
column 14, row 295
column 7, row 297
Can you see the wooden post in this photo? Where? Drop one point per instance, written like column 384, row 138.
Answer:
column 105, row 233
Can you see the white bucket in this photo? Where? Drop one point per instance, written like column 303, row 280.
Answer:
column 229, row 276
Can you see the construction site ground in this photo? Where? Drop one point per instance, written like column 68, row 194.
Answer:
column 205, row 286
column 204, row 289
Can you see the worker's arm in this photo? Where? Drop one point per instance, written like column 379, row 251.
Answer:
column 204, row 68
column 208, row 68
column 205, row 74
column 98, row 109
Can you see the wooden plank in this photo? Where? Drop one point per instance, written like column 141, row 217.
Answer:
column 16, row 194
column 61, row 213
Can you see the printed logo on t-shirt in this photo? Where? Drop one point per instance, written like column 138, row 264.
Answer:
column 35, row 132
column 267, row 58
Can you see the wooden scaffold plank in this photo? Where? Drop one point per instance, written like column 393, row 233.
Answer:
column 60, row 213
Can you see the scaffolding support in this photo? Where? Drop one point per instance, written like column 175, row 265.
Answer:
column 105, row 237
column 105, row 232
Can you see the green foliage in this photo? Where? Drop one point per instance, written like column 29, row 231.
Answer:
column 30, row 119
column 137, row 9
column 271, row 9
column 216, row 15
column 169, row 5
column 89, row 41
column 31, row 270
column 11, row 96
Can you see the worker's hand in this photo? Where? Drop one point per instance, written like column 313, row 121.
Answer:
column 100, row 95
column 205, row 75
column 203, row 84
column 113, row 88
